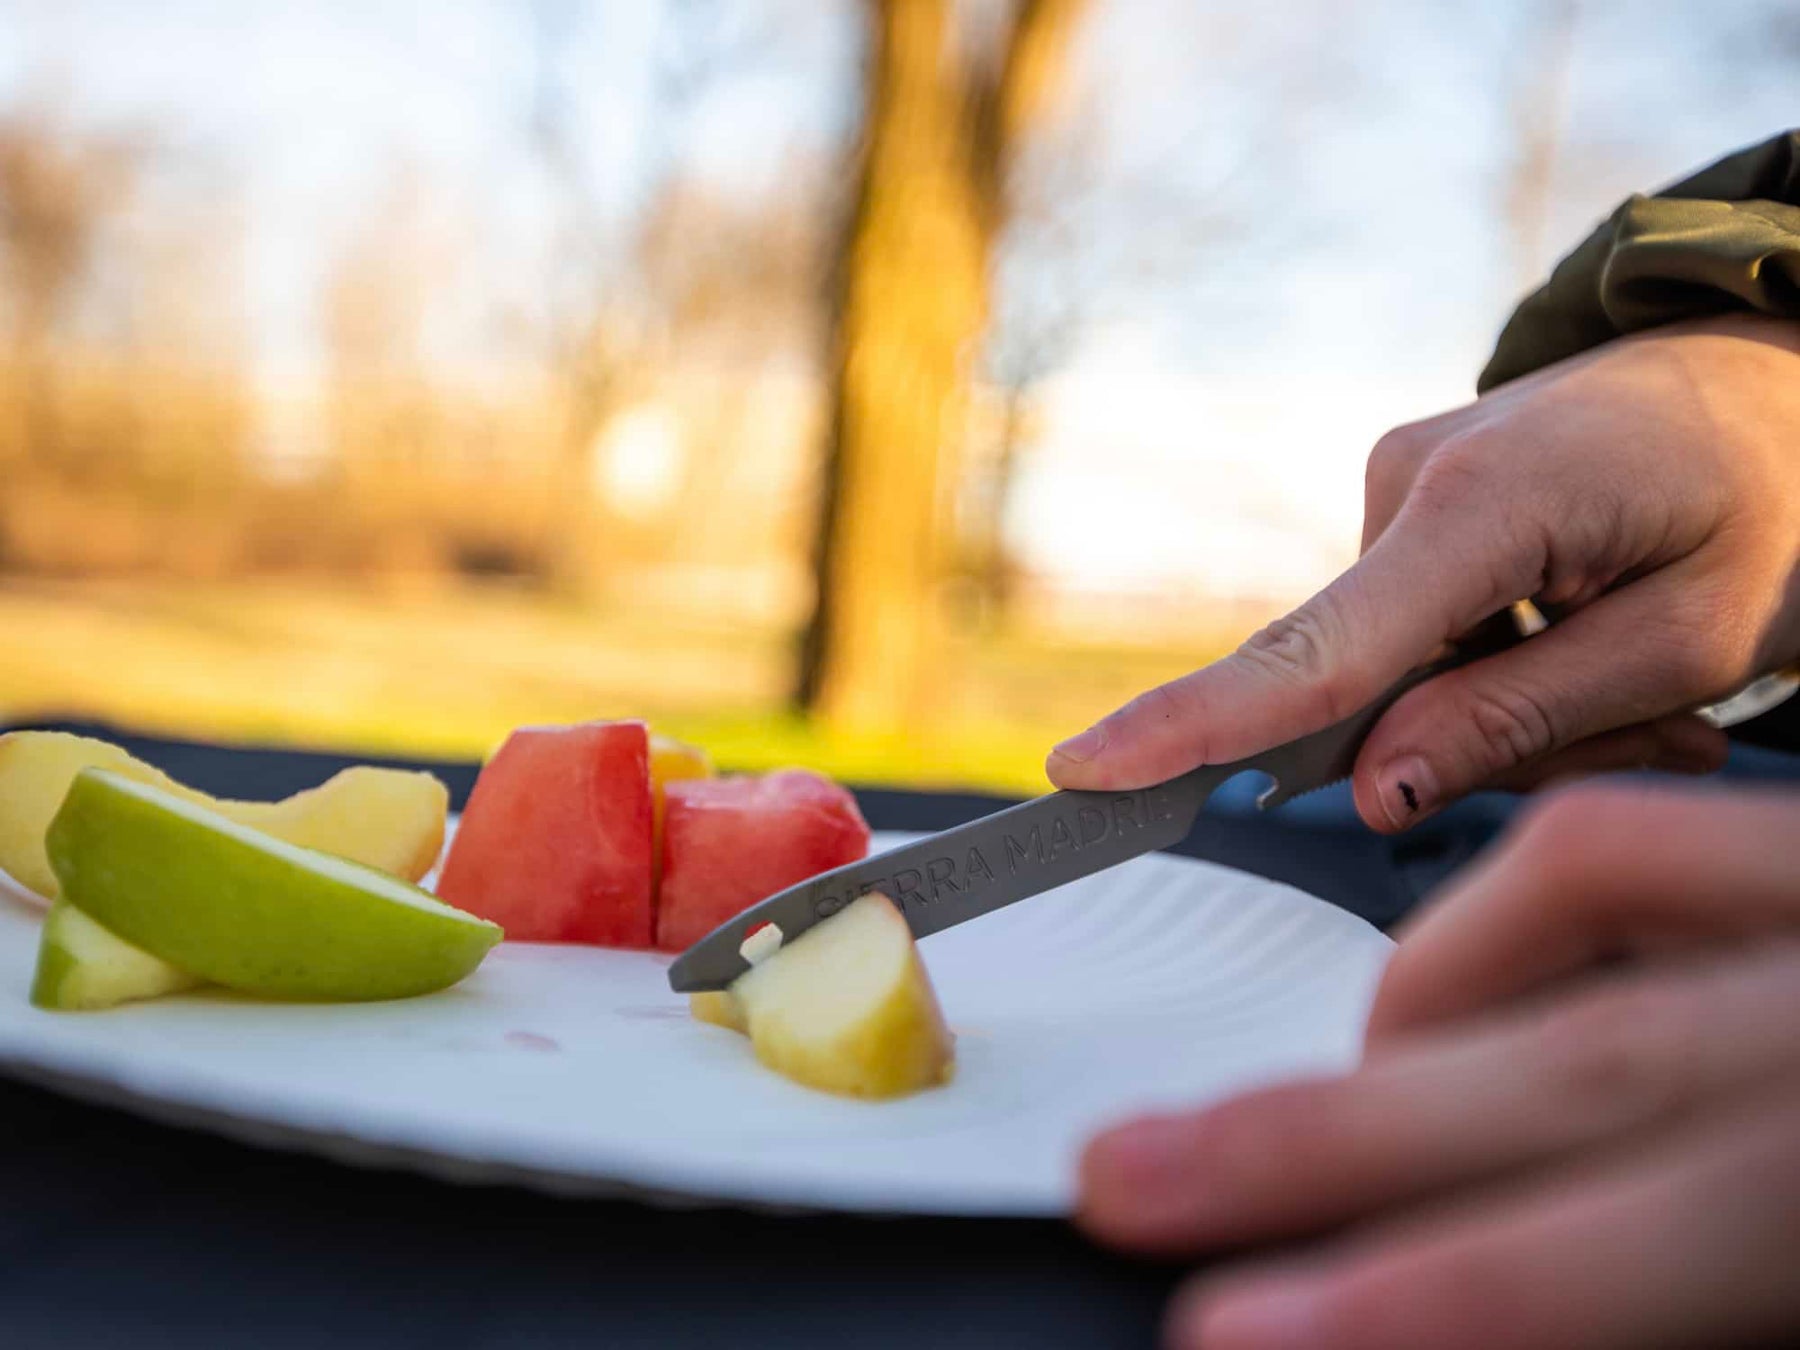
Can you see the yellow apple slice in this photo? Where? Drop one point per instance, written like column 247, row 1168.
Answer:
column 384, row 818
column 389, row 819
column 846, row 1007
column 721, row 1008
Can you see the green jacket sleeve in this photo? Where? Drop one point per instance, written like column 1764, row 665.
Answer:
column 1727, row 238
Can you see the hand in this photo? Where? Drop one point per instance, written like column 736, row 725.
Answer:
column 1647, row 492
column 1542, row 1147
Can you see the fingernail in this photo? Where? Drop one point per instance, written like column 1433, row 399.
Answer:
column 1269, row 1315
column 1080, row 749
column 1408, row 789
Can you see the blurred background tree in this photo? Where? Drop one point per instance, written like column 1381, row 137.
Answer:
column 946, row 113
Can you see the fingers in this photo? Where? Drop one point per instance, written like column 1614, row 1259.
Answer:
column 1634, row 656
column 1446, row 1110
column 1591, row 874
column 1685, row 1241
column 1443, row 566
column 1678, row 744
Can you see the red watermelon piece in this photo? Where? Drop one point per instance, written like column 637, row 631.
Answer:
column 554, row 845
column 731, row 842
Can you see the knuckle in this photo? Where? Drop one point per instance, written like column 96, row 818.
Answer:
column 1402, row 445
column 1397, row 454
column 1488, row 522
column 1593, row 533
column 1302, row 650
column 1456, row 473
column 1510, row 724
column 1294, row 647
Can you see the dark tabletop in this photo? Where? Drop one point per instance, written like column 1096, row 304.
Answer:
column 119, row 1233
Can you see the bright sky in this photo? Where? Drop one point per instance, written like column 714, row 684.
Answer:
column 1209, row 431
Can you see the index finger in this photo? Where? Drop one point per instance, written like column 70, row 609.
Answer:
column 1441, row 567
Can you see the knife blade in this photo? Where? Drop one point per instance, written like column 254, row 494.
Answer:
column 970, row 870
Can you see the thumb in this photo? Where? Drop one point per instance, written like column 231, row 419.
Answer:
column 1435, row 572
column 1556, row 700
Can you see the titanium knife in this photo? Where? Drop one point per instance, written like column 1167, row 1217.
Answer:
column 962, row 873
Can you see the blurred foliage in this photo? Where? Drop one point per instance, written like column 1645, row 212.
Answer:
column 625, row 519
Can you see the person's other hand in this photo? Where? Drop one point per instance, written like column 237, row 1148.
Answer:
column 1647, row 492
column 1543, row 1146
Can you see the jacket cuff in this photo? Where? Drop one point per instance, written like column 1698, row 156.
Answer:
column 1728, row 238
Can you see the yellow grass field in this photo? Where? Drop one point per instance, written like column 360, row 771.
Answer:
column 447, row 671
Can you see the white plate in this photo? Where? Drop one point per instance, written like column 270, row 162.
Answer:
column 1165, row 981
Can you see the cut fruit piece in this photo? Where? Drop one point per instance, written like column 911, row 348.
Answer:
column 386, row 818
column 846, row 1007
column 731, row 842
column 555, row 843
column 670, row 761
column 720, row 1007
column 36, row 768
column 82, row 967
column 243, row 909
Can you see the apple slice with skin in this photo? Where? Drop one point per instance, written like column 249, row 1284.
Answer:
column 240, row 908
column 846, row 1007
column 83, row 967
column 386, row 818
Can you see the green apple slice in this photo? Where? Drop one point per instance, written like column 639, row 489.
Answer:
column 243, row 909
column 81, row 967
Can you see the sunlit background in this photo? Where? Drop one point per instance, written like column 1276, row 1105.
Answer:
column 888, row 386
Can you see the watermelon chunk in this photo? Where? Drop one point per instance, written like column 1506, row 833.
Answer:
column 554, row 845
column 730, row 842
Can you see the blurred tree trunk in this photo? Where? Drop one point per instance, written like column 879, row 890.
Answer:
column 995, row 571
column 56, row 192
column 910, row 305
column 1537, row 110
